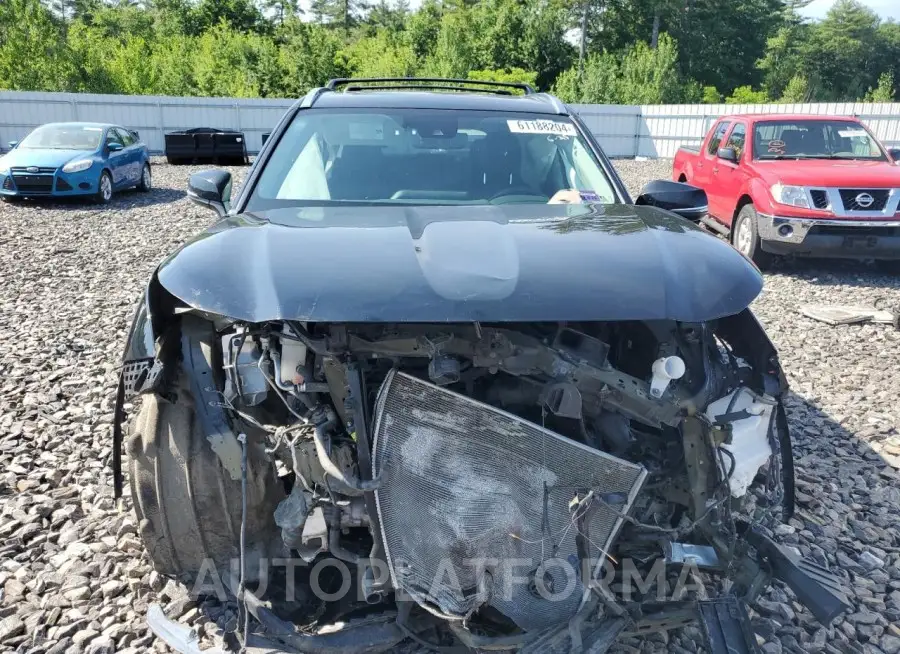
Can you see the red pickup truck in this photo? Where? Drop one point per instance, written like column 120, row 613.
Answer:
column 798, row 184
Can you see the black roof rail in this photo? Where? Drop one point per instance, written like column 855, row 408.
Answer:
column 312, row 95
column 425, row 82
column 428, row 87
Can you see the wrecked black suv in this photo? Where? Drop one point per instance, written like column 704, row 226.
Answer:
column 434, row 376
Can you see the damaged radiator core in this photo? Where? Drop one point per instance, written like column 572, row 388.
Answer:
column 476, row 504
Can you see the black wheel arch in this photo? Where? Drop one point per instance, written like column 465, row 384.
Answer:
column 154, row 353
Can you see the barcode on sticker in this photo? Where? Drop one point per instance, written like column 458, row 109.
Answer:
column 541, row 127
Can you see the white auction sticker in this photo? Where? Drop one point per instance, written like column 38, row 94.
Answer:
column 541, row 127
column 847, row 133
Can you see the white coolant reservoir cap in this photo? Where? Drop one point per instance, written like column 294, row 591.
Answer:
column 664, row 371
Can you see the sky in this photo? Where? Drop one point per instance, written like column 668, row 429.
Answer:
column 884, row 8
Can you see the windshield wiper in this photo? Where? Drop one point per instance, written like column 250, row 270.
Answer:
column 852, row 157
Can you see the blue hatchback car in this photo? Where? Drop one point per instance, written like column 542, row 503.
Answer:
column 75, row 159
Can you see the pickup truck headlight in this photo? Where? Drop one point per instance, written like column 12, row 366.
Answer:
column 794, row 196
column 77, row 166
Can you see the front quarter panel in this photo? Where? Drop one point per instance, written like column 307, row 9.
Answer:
column 758, row 190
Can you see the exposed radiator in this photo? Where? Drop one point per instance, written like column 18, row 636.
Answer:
column 474, row 499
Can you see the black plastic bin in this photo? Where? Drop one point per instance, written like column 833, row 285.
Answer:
column 231, row 148
column 180, row 148
column 206, row 145
column 205, row 141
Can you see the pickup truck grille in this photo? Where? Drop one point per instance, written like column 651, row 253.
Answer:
column 850, row 197
column 819, row 198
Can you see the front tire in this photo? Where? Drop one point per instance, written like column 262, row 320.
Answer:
column 188, row 505
column 146, row 182
column 745, row 237
column 104, row 189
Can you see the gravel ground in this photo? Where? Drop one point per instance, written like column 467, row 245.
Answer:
column 75, row 578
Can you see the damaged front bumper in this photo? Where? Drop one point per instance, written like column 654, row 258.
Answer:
column 594, row 628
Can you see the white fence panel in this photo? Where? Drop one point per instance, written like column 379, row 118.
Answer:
column 152, row 116
column 659, row 130
column 623, row 130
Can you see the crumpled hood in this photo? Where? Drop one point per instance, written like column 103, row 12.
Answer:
column 42, row 157
column 461, row 264
column 830, row 172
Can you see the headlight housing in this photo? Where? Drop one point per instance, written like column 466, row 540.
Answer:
column 77, row 166
column 794, row 196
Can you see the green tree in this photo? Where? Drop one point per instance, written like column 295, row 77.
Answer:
column 456, row 50
column 650, row 76
column 797, row 90
column 746, row 95
column 391, row 16
column 884, row 92
column 642, row 75
column 710, row 95
column 172, row 65
column 841, row 53
column 239, row 15
column 525, row 35
column 170, row 17
column 782, row 58
column 717, row 38
column 281, row 10
column 423, row 27
column 342, row 13
column 309, row 57
column 382, row 55
column 33, row 52
column 720, row 41
column 69, row 10
column 888, row 48
column 222, row 64
column 513, row 75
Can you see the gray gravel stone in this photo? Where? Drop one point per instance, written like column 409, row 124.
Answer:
column 868, row 560
column 11, row 627
column 71, row 275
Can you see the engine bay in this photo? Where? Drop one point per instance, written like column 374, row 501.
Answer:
column 434, row 455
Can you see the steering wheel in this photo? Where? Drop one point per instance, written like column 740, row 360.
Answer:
column 519, row 190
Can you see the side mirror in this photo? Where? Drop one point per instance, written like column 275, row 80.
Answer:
column 13, row 144
column 137, row 137
column 114, row 147
column 211, row 188
column 728, row 154
column 894, row 152
column 685, row 200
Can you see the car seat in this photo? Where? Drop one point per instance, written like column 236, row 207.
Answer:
column 497, row 164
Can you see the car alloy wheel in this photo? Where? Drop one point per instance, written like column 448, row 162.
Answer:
column 744, row 239
column 105, row 188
